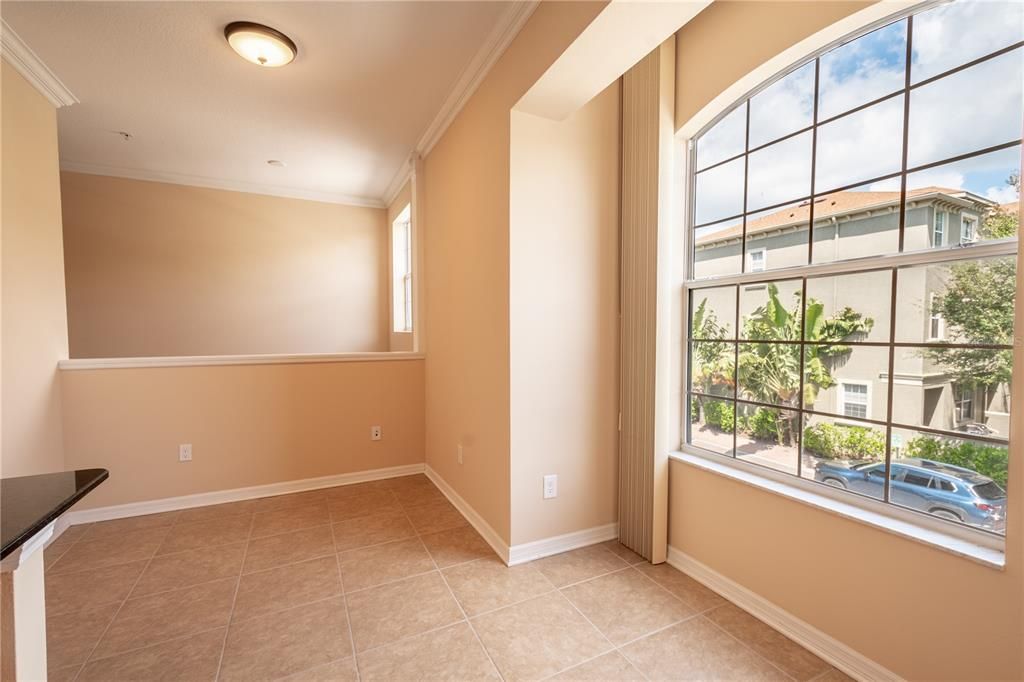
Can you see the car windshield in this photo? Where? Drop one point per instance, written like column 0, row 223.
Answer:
column 990, row 491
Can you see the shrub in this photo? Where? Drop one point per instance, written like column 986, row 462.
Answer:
column 987, row 460
column 694, row 410
column 722, row 415
column 764, row 423
column 830, row 441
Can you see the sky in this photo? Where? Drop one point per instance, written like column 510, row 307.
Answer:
column 976, row 108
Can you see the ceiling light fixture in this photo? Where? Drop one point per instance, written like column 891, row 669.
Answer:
column 259, row 44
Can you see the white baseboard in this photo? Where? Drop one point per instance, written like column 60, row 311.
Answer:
column 120, row 511
column 474, row 518
column 826, row 647
column 538, row 549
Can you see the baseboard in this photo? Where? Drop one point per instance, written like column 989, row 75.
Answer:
column 120, row 511
column 474, row 518
column 538, row 549
column 826, row 647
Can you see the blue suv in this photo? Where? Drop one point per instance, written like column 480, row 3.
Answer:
column 949, row 492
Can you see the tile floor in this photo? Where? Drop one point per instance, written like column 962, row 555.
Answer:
column 380, row 581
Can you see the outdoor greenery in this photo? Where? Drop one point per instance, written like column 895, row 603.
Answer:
column 830, row 441
column 987, row 460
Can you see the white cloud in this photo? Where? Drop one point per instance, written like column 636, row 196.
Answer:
column 1002, row 195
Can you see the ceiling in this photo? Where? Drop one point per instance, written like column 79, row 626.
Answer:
column 370, row 80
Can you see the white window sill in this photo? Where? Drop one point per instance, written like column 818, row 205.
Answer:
column 213, row 360
column 965, row 542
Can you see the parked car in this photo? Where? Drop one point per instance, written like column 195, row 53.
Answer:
column 949, row 492
column 976, row 429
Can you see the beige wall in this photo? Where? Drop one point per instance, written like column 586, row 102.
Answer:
column 564, row 246
column 34, row 321
column 896, row 601
column 248, row 425
column 467, row 269
column 155, row 269
column 397, row 341
column 728, row 39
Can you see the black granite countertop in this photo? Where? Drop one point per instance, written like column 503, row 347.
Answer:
column 29, row 503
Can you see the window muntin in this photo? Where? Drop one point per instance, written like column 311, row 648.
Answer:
column 886, row 393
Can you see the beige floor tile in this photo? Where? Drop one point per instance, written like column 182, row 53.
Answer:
column 70, row 637
column 145, row 621
column 691, row 592
column 290, row 519
column 362, row 568
column 365, row 504
column 217, row 511
column 287, row 642
column 282, row 588
column 403, row 482
column 224, row 531
column 192, row 567
column 435, row 517
column 797, row 662
column 610, row 667
column 833, row 675
column 579, row 564
column 418, row 494
column 56, row 549
column 538, row 638
column 623, row 552
column 288, row 548
column 111, row 550
column 78, row 589
column 192, row 659
column 456, row 546
column 338, row 671
column 371, row 530
column 145, row 522
column 290, row 500
column 452, row 653
column 697, row 650
column 626, row 605
column 65, row 674
column 489, row 584
column 355, row 489
column 381, row 615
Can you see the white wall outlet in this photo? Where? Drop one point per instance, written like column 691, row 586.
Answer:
column 550, row 486
column 185, row 452
column 376, row 433
column 459, row 453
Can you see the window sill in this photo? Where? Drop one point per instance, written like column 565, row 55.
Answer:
column 216, row 360
column 978, row 547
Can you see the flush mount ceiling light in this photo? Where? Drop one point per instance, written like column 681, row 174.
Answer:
column 260, row 44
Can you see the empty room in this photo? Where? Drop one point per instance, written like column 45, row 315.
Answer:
column 511, row 340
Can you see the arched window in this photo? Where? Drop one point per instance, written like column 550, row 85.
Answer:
column 834, row 215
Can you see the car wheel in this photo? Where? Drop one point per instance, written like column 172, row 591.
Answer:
column 835, row 483
column 945, row 514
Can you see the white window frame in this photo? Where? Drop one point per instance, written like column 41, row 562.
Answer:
column 764, row 259
column 939, row 227
column 935, row 318
column 841, row 402
column 958, row 402
column 402, row 272
column 972, row 220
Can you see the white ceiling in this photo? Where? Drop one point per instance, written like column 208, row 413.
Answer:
column 369, row 80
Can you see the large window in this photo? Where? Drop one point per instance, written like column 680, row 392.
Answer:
column 836, row 332
column 401, row 268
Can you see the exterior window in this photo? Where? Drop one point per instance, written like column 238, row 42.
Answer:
column 939, row 229
column 837, row 349
column 968, row 229
column 855, row 400
column 935, row 325
column 757, row 260
column 401, row 260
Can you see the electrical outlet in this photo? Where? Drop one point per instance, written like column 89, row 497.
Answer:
column 550, row 486
column 376, row 433
column 460, row 453
column 185, row 452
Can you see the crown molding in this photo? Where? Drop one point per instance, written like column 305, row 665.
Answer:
column 31, row 67
column 217, row 183
column 498, row 40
